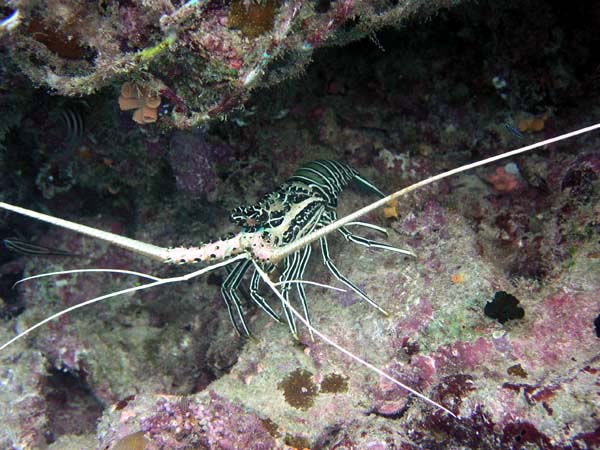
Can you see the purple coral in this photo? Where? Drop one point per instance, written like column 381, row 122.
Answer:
column 209, row 422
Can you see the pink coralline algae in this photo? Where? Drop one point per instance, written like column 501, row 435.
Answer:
column 389, row 398
column 178, row 423
column 579, row 177
column 568, row 327
column 420, row 315
column 503, row 181
column 464, row 354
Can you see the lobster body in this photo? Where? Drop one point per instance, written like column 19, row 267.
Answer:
column 298, row 206
column 304, row 203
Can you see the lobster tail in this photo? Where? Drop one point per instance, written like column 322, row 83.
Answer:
column 328, row 178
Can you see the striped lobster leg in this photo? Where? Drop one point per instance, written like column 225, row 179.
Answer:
column 253, row 294
column 331, row 216
column 258, row 299
column 349, row 236
column 336, row 273
column 286, row 275
column 231, row 298
column 295, row 265
column 300, row 286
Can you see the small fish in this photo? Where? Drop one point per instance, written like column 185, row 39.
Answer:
column 73, row 124
column 27, row 248
column 514, row 130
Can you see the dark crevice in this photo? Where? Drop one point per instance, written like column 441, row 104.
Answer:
column 72, row 408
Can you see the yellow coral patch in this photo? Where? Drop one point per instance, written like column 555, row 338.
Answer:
column 252, row 19
column 457, row 278
column 390, row 211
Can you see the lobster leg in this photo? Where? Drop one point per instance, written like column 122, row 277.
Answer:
column 295, row 265
column 290, row 264
column 232, row 300
column 331, row 216
column 254, row 295
column 300, row 287
column 334, row 270
column 258, row 299
column 349, row 236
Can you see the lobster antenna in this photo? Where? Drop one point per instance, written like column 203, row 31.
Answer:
column 338, row 347
column 67, row 272
column 282, row 252
column 153, row 251
column 158, row 282
column 311, row 283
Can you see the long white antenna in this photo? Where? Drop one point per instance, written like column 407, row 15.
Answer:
column 157, row 282
column 142, row 248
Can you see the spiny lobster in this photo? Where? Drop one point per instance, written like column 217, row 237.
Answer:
column 304, row 203
column 280, row 227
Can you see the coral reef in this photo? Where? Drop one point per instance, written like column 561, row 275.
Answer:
column 163, row 368
column 206, row 55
